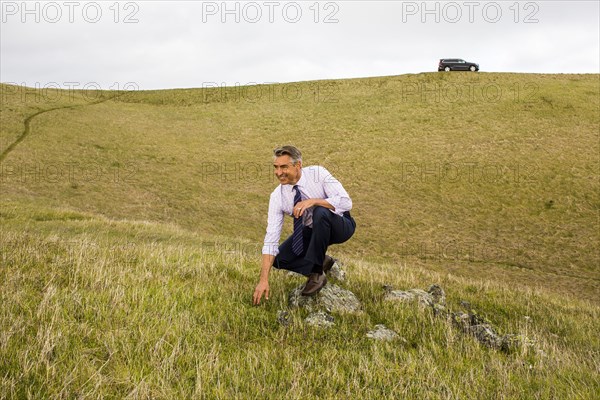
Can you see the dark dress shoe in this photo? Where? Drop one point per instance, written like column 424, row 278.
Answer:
column 328, row 263
column 314, row 283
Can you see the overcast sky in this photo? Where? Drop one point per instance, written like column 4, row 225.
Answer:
column 171, row 44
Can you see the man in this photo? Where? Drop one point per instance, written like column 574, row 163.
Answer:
column 320, row 207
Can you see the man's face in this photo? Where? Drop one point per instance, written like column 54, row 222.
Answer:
column 285, row 171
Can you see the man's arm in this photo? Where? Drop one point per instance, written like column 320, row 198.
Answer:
column 335, row 192
column 270, row 247
column 308, row 203
column 263, row 283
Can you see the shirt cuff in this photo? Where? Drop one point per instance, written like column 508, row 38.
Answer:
column 272, row 249
column 334, row 201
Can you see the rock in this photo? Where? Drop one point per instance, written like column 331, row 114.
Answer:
column 320, row 319
column 435, row 295
column 472, row 324
column 283, row 317
column 480, row 328
column 468, row 322
column 331, row 298
column 440, row 310
column 438, row 294
column 486, row 335
column 382, row 333
column 424, row 299
column 466, row 305
column 511, row 342
column 461, row 320
column 336, row 272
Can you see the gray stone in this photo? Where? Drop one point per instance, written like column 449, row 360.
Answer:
column 465, row 320
column 388, row 288
column 440, row 310
column 461, row 320
column 486, row 335
column 435, row 295
column 465, row 304
column 476, row 326
column 423, row 298
column 382, row 333
column 469, row 322
column 481, row 329
column 283, row 317
column 336, row 272
column 320, row 319
column 331, row 298
column 511, row 342
column 438, row 294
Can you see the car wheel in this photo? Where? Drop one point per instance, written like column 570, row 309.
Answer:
column 447, row 69
column 473, row 69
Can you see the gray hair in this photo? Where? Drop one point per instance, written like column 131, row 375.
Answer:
column 291, row 151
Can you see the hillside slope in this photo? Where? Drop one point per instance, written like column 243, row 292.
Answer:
column 487, row 175
column 101, row 308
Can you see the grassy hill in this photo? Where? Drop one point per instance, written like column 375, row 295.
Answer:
column 492, row 175
column 101, row 308
column 132, row 225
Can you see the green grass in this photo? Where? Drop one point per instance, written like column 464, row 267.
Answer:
column 504, row 177
column 111, row 309
column 131, row 232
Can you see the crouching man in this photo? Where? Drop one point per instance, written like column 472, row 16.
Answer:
column 320, row 207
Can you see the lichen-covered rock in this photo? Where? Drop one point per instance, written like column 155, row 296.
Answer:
column 382, row 333
column 511, row 342
column 481, row 329
column 440, row 310
column 423, row 298
column 331, row 298
column 283, row 317
column 461, row 320
column 469, row 322
column 486, row 335
column 320, row 319
column 465, row 320
column 336, row 272
column 465, row 304
column 438, row 294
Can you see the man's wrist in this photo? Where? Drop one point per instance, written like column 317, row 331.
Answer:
column 322, row 203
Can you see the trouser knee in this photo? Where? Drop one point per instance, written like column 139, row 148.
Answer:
column 320, row 213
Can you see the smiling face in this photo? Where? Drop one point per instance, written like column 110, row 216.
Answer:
column 286, row 171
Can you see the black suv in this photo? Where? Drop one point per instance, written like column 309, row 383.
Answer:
column 456, row 64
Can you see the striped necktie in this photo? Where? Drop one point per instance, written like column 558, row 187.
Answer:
column 297, row 241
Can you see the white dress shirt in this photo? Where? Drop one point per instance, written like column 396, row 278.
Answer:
column 315, row 183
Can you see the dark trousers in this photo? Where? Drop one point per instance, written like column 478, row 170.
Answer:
column 328, row 228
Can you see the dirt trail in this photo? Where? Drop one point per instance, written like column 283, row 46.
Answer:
column 27, row 123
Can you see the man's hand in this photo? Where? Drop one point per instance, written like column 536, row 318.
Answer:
column 302, row 206
column 261, row 288
column 263, row 283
